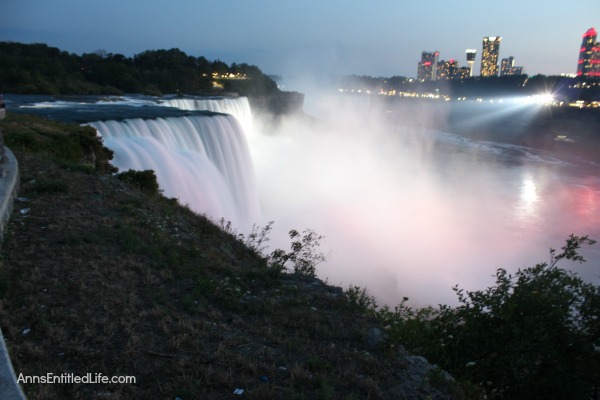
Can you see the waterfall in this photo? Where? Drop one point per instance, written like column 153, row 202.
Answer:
column 203, row 161
column 238, row 107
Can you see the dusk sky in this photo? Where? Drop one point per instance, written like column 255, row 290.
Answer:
column 284, row 37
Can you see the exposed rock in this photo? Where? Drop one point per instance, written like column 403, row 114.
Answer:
column 421, row 380
column 375, row 338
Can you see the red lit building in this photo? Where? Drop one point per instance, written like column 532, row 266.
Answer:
column 589, row 56
column 427, row 70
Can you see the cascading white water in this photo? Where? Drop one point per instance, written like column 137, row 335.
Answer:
column 405, row 212
column 203, row 161
column 238, row 107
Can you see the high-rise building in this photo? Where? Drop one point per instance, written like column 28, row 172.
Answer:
column 507, row 67
column 589, row 56
column 427, row 70
column 489, row 56
column 447, row 69
column 516, row 71
column 451, row 70
column 471, row 59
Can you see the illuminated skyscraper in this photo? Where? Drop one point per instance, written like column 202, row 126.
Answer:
column 447, row 70
column 507, row 67
column 589, row 56
column 451, row 70
column 471, row 59
column 427, row 70
column 489, row 56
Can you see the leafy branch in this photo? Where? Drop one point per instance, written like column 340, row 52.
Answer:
column 303, row 256
column 570, row 249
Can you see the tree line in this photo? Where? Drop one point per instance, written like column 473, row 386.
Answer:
column 41, row 69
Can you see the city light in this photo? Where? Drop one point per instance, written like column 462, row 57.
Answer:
column 539, row 99
column 545, row 99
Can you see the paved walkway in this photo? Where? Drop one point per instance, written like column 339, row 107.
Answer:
column 9, row 184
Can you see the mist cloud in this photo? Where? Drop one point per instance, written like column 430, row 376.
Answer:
column 407, row 212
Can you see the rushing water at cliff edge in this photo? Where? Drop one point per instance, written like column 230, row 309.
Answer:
column 405, row 211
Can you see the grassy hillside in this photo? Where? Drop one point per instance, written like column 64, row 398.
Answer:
column 98, row 276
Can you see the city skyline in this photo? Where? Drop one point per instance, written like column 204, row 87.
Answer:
column 381, row 38
column 432, row 67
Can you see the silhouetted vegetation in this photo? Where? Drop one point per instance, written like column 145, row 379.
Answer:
column 534, row 335
column 40, row 69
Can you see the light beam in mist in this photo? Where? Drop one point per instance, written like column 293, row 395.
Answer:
column 412, row 212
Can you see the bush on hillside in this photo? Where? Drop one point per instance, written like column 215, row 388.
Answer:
column 302, row 258
column 143, row 180
column 533, row 335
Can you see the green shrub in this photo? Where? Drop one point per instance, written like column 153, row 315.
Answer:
column 533, row 335
column 304, row 255
column 143, row 180
column 361, row 300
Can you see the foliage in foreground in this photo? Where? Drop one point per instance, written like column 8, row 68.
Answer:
column 304, row 254
column 533, row 335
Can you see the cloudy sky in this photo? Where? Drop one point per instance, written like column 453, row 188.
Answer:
column 375, row 37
